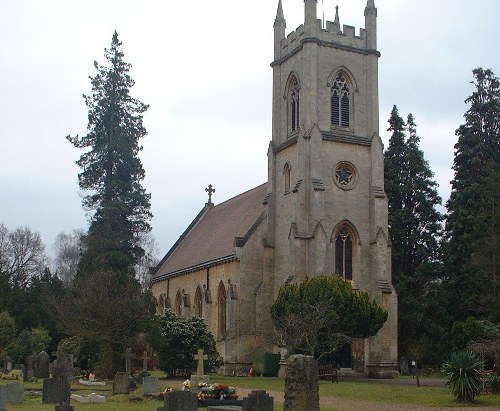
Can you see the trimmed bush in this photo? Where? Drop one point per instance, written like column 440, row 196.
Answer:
column 463, row 370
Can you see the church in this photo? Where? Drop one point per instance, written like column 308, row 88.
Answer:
column 322, row 211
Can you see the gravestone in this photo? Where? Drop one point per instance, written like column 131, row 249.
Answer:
column 15, row 392
column 149, row 385
column 28, row 373
column 200, row 370
column 63, row 371
column 90, row 399
column 259, row 401
column 3, row 398
column 41, row 365
column 301, row 384
column 51, row 391
column 128, row 361
column 404, row 366
column 121, row 383
column 180, row 401
column 224, row 408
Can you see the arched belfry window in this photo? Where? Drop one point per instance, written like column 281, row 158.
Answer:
column 198, row 303
column 341, row 101
column 293, row 101
column 286, row 175
column 344, row 252
column 178, row 303
column 221, row 310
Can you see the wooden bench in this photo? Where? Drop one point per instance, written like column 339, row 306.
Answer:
column 329, row 371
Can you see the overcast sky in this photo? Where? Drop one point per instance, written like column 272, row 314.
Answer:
column 203, row 66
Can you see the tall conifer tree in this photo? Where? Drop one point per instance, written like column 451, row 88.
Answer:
column 107, row 308
column 111, row 169
column 472, row 222
column 414, row 228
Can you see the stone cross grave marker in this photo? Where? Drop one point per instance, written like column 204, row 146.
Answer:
column 145, row 359
column 128, row 361
column 63, row 370
column 200, row 357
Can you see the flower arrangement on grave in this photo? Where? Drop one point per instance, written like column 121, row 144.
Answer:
column 186, row 385
column 215, row 391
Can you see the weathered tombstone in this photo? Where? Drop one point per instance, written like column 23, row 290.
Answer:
column 28, row 373
column 10, row 365
column 403, row 366
column 91, row 399
column 258, row 401
column 224, row 408
column 15, row 392
column 41, row 365
column 63, row 371
column 200, row 371
column 149, row 385
column 3, row 398
column 145, row 358
column 121, row 383
column 301, row 384
column 180, row 401
column 51, row 391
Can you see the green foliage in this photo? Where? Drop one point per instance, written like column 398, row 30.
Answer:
column 472, row 222
column 8, row 330
column 321, row 313
column 463, row 370
column 179, row 340
column 415, row 229
column 111, row 169
column 22, row 347
column 472, row 330
column 40, row 338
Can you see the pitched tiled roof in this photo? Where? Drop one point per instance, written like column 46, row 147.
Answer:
column 212, row 234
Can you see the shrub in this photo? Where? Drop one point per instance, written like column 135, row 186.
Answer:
column 463, row 370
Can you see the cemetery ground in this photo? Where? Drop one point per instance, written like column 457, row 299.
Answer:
column 373, row 395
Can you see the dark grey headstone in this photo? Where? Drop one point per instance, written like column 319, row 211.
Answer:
column 121, row 383
column 180, row 401
column 3, row 398
column 301, row 384
column 51, row 391
column 224, row 408
column 41, row 365
column 15, row 392
column 149, row 385
column 258, row 401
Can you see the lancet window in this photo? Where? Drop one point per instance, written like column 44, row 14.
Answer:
column 178, row 303
column 221, row 310
column 286, row 174
column 293, row 104
column 198, row 303
column 343, row 253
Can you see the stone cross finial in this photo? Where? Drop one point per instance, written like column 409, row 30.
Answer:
column 210, row 190
column 200, row 357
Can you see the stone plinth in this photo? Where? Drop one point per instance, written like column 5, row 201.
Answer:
column 301, row 384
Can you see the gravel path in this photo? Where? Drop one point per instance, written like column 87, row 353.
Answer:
column 343, row 404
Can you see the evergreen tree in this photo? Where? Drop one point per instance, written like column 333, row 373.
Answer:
column 111, row 170
column 472, row 221
column 106, row 307
column 414, row 228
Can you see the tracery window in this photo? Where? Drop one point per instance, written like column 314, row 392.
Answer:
column 198, row 303
column 221, row 309
column 341, row 101
column 286, row 174
column 343, row 253
column 294, row 104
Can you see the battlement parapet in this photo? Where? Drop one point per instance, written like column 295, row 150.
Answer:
column 332, row 33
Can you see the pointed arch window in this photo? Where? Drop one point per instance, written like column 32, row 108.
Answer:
column 198, row 303
column 341, row 101
column 286, row 174
column 221, row 310
column 178, row 303
column 293, row 104
column 343, row 253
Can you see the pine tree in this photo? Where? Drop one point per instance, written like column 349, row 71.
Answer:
column 111, row 169
column 414, row 227
column 472, row 221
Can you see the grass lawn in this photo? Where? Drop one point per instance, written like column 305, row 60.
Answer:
column 370, row 391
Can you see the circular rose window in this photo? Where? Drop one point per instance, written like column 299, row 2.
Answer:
column 345, row 176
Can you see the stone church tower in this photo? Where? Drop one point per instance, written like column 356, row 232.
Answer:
column 323, row 209
column 327, row 210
